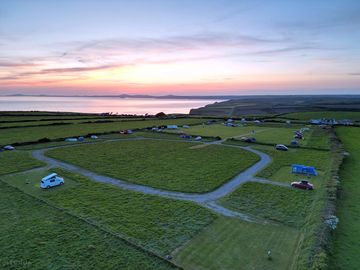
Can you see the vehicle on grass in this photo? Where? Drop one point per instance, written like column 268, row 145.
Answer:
column 294, row 143
column 71, row 140
column 303, row 184
column 127, row 131
column 52, row 180
column 187, row 137
column 302, row 169
column 81, row 139
column 94, row 137
column 281, row 147
column 9, row 148
column 248, row 140
column 198, row 138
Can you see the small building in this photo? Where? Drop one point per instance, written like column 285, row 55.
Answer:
column 302, row 169
column 172, row 127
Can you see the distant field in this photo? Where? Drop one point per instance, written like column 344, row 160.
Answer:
column 219, row 130
column 19, row 135
column 155, row 223
column 161, row 164
column 287, row 205
column 230, row 244
column 324, row 114
column 37, row 236
column 345, row 252
column 13, row 161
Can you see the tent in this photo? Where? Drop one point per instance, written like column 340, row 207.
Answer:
column 171, row 126
column 302, row 169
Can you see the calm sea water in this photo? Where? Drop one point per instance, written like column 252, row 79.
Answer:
column 101, row 104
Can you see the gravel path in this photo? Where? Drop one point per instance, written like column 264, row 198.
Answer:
column 207, row 200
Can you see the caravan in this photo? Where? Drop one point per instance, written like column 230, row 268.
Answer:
column 51, row 180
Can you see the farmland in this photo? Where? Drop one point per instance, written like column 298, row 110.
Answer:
column 17, row 161
column 163, row 164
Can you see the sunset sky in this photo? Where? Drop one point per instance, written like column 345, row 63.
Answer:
column 179, row 47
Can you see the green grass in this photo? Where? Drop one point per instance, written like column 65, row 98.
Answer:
column 155, row 223
column 219, row 130
column 15, row 161
column 230, row 244
column 287, row 205
column 29, row 134
column 347, row 235
column 35, row 235
column 324, row 114
column 161, row 164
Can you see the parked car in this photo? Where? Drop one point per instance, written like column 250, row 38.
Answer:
column 9, row 147
column 281, row 147
column 51, row 180
column 250, row 140
column 303, row 184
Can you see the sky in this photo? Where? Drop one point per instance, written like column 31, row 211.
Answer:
column 180, row 47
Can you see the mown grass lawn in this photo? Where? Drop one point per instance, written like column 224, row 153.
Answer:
column 16, row 161
column 30, row 134
column 161, row 164
column 230, row 244
column 286, row 205
column 34, row 235
column 155, row 223
column 345, row 253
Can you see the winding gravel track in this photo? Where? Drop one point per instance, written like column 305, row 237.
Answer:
column 207, row 200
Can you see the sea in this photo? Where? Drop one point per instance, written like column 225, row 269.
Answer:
column 139, row 106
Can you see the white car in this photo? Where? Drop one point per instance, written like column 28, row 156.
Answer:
column 281, row 147
column 52, row 180
column 9, row 148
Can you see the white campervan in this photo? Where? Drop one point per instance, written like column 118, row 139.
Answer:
column 51, row 180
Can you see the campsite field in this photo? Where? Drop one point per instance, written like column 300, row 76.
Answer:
column 92, row 225
column 163, row 164
column 355, row 116
column 31, row 134
column 281, row 204
column 12, row 161
column 219, row 130
column 345, row 252
column 39, row 236
column 148, row 221
column 232, row 244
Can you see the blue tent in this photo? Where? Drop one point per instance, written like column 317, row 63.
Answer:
column 302, row 169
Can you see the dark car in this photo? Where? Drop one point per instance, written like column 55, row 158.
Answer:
column 303, row 184
column 250, row 140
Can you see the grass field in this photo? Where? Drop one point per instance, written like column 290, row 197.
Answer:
column 287, row 205
column 29, row 134
column 324, row 114
column 347, row 235
column 37, row 236
column 14, row 161
column 219, row 130
column 162, row 164
column 230, row 244
column 158, row 224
